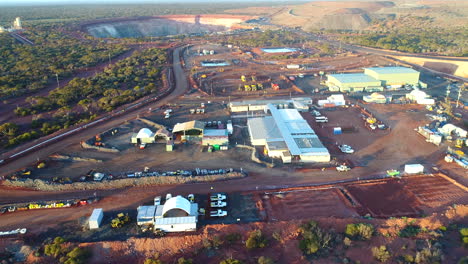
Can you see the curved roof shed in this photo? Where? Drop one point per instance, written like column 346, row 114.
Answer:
column 145, row 133
column 176, row 206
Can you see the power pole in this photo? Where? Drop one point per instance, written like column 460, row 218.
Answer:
column 109, row 58
column 58, row 83
column 460, row 89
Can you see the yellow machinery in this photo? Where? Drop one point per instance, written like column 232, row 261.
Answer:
column 243, row 78
column 120, row 220
column 371, row 120
column 459, row 143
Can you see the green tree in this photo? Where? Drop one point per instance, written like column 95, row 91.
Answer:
column 231, row 261
column 381, row 253
column 265, row 260
column 184, row 261
column 256, row 240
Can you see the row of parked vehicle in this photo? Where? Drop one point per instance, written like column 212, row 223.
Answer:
column 187, row 173
column 218, row 200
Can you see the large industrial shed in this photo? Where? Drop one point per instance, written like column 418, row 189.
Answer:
column 189, row 131
column 394, row 76
column 286, row 135
column 215, row 137
column 300, row 103
column 353, row 82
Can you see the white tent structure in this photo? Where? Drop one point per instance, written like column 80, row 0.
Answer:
column 176, row 215
column 145, row 135
column 420, row 97
column 449, row 129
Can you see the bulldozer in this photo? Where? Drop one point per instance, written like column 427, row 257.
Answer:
column 121, row 220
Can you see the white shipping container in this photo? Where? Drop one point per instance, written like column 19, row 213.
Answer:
column 293, row 66
column 96, row 218
column 414, row 168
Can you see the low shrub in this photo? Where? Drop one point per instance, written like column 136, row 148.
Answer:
column 256, row 240
column 361, row 231
column 381, row 253
column 410, row 231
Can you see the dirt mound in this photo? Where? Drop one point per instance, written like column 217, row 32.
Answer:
column 331, row 15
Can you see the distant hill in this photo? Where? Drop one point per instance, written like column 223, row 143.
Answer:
column 373, row 15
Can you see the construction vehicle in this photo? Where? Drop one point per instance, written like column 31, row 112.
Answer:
column 253, row 87
column 243, row 78
column 191, row 197
column 260, row 86
column 121, row 220
column 218, row 204
column 371, row 120
column 393, row 173
column 218, row 213
column 459, row 143
column 218, row 197
column 203, row 76
column 201, row 211
column 275, row 86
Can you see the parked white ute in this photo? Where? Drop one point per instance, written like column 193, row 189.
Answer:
column 218, row 197
column 346, row 149
column 218, row 213
column 218, row 204
column 343, row 168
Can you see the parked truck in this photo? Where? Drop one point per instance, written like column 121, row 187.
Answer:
column 218, row 213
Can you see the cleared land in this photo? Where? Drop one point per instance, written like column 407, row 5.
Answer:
column 306, row 204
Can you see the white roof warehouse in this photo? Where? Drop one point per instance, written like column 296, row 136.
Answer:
column 288, row 126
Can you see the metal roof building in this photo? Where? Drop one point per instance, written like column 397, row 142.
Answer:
column 300, row 103
column 189, row 131
column 294, row 133
column 215, row 137
column 394, row 75
column 353, row 82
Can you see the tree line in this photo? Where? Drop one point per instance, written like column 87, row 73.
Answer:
column 83, row 98
column 27, row 69
column 450, row 42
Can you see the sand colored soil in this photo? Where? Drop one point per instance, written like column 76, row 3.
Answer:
column 458, row 68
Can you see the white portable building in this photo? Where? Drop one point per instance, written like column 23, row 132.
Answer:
column 414, row 168
column 96, row 218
